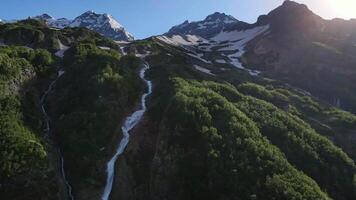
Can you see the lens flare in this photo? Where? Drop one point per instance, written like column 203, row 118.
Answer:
column 344, row 8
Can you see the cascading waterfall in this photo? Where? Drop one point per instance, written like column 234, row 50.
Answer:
column 48, row 130
column 129, row 124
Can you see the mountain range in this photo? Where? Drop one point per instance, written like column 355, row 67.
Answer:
column 296, row 46
column 211, row 109
column 104, row 24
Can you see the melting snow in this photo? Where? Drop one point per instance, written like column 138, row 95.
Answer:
column 230, row 44
column 62, row 49
column 146, row 53
column 177, row 40
column 253, row 72
column 104, row 48
column 197, row 67
column 222, row 61
column 237, row 41
column 199, row 57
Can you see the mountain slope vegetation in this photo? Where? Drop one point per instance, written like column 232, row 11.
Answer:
column 93, row 94
column 228, row 117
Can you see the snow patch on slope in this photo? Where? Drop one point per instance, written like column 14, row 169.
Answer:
column 178, row 40
column 197, row 67
column 229, row 44
column 221, row 61
column 62, row 49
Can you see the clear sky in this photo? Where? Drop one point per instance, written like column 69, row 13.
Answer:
column 144, row 18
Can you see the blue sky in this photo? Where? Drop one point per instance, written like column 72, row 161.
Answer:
column 144, row 18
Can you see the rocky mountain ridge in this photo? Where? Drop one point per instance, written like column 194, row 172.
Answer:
column 105, row 24
column 278, row 51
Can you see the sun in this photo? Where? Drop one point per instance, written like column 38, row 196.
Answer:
column 344, row 8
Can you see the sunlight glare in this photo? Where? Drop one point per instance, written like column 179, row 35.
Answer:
column 344, row 8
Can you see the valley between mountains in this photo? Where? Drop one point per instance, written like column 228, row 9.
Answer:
column 214, row 109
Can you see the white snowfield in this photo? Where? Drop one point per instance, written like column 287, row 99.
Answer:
column 177, row 40
column 228, row 44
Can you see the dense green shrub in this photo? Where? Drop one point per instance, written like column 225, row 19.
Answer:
column 23, row 155
column 220, row 153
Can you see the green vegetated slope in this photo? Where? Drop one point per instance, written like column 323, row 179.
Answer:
column 36, row 34
column 87, row 105
column 24, row 168
column 220, row 141
column 228, row 136
column 99, row 88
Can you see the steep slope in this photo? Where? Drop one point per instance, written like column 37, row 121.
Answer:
column 195, row 141
column 291, row 44
column 25, row 170
column 228, row 117
column 95, row 90
column 309, row 52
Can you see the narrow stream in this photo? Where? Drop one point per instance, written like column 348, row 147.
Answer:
column 47, row 131
column 129, row 124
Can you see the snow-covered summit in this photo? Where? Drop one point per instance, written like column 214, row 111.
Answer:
column 104, row 24
column 209, row 27
column 220, row 17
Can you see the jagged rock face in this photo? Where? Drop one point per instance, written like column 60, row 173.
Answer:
column 209, row 27
column 104, row 24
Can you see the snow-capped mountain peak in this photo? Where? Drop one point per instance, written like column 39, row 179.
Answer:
column 104, row 24
column 209, row 27
column 220, row 17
